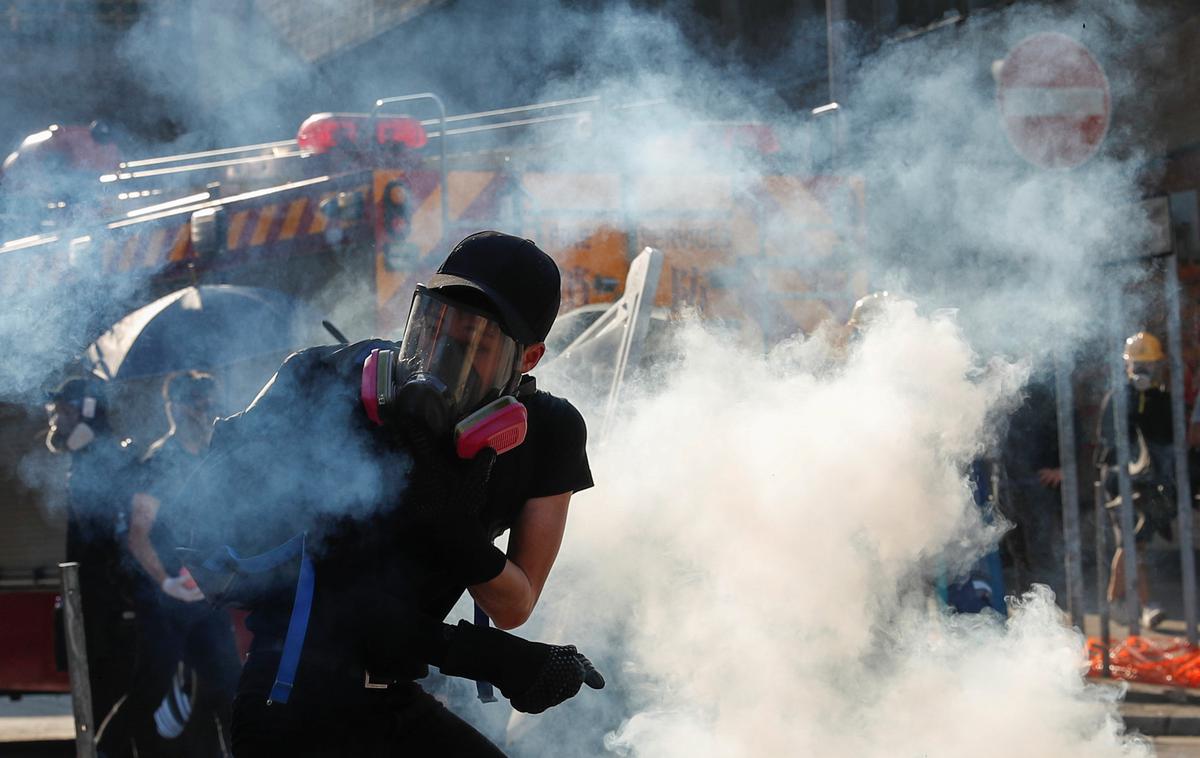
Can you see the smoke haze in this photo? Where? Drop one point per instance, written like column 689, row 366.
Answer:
column 755, row 570
column 751, row 572
column 754, row 567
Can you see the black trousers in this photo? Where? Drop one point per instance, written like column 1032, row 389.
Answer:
column 330, row 715
column 170, row 632
column 110, row 636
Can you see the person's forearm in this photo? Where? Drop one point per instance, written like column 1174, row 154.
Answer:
column 143, row 551
column 508, row 599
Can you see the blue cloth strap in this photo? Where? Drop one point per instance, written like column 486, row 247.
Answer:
column 484, row 689
column 293, row 643
column 228, row 558
column 301, row 608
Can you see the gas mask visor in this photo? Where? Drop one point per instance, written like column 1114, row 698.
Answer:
column 457, row 350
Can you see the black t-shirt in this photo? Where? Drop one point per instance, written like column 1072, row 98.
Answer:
column 551, row 461
column 1032, row 440
column 98, row 500
column 164, row 469
column 1149, row 411
column 304, row 457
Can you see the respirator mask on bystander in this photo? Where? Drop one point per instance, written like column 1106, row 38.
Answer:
column 70, row 429
column 1145, row 376
column 454, row 374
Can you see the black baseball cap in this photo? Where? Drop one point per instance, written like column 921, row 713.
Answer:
column 520, row 281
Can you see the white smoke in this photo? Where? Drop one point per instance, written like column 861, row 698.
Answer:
column 755, row 569
column 752, row 570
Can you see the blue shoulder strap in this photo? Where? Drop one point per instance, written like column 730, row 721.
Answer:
column 227, row 559
column 293, row 643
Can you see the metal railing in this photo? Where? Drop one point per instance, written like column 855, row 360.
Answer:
column 1126, row 514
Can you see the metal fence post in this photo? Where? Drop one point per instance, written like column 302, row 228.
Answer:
column 81, row 691
column 1183, row 485
column 1069, row 489
column 1102, row 558
column 1120, row 410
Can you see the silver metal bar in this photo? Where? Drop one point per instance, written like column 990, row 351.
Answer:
column 81, row 691
column 1183, row 485
column 836, row 48
column 208, row 154
column 521, row 109
column 219, row 202
column 507, row 124
column 445, row 189
column 201, row 166
column 1102, row 558
column 1120, row 410
column 1069, row 489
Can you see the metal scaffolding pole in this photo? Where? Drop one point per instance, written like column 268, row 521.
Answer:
column 1183, row 485
column 81, row 691
column 1101, row 532
column 1120, row 410
column 1065, row 406
column 835, row 31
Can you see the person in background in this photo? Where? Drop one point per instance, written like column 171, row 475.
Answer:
column 173, row 624
column 1151, row 466
column 96, row 516
column 1033, row 478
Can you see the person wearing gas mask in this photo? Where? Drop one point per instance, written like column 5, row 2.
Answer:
column 173, row 626
column 79, row 428
column 1151, row 468
column 376, row 476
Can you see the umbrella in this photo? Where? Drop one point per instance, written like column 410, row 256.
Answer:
column 203, row 327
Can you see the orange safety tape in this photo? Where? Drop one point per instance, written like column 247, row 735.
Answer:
column 291, row 222
column 318, row 219
column 179, row 246
column 266, row 216
column 236, row 224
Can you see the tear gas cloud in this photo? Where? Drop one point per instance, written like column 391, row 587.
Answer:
column 753, row 568
column 756, row 584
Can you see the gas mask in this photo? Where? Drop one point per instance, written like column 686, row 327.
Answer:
column 81, row 434
column 454, row 373
column 1145, row 376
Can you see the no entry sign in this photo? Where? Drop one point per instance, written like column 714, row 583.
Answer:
column 1054, row 100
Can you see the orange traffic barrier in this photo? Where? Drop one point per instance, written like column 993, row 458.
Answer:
column 1150, row 661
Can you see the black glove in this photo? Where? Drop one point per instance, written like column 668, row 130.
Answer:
column 532, row 675
column 445, row 497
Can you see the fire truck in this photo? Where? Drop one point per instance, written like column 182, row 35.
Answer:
column 358, row 207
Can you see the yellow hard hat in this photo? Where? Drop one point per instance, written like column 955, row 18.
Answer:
column 867, row 309
column 1143, row 347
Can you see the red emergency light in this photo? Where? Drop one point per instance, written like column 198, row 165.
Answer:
column 323, row 132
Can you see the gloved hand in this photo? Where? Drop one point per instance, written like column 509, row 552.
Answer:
column 532, row 675
column 444, row 499
column 182, row 588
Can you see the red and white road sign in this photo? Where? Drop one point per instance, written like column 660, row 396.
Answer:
column 1054, row 100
